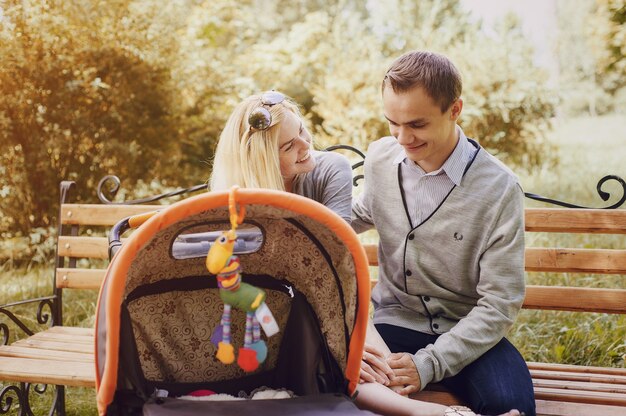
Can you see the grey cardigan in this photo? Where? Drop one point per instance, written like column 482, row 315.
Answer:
column 460, row 273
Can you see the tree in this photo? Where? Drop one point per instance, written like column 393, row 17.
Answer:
column 142, row 88
column 80, row 97
column 608, row 29
column 591, row 51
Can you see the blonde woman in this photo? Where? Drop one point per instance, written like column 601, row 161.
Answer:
column 266, row 145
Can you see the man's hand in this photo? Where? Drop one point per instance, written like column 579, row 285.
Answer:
column 374, row 368
column 406, row 374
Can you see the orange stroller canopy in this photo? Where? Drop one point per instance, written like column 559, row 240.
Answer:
column 157, row 305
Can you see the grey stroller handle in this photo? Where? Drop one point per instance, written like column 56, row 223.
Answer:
column 115, row 235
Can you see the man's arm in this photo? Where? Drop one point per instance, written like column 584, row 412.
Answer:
column 501, row 288
column 361, row 218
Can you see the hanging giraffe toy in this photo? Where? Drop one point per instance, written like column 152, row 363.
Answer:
column 222, row 263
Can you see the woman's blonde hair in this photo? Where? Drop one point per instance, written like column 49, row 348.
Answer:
column 250, row 158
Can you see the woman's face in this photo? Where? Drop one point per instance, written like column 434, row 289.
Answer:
column 294, row 148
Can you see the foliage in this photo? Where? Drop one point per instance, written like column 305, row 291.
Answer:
column 81, row 95
column 609, row 25
column 142, row 88
column 332, row 62
column 592, row 64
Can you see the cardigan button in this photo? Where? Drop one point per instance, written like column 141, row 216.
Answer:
column 426, row 298
column 436, row 326
column 408, row 272
column 411, row 236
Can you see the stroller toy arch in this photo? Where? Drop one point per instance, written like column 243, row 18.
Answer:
column 224, row 264
column 155, row 312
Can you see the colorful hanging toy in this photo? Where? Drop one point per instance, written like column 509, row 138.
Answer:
column 221, row 262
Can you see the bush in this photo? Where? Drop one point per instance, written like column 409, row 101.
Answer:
column 77, row 104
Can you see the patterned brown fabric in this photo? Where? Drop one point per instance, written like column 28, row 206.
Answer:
column 173, row 330
column 175, row 346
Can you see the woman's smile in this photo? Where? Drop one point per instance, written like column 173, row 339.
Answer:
column 305, row 158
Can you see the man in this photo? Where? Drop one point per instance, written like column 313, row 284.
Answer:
column 451, row 254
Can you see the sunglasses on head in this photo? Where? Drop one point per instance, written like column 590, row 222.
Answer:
column 260, row 118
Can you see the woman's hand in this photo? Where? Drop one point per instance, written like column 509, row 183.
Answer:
column 374, row 367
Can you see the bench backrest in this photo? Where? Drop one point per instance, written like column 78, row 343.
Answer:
column 559, row 258
column 570, row 260
column 73, row 246
column 538, row 259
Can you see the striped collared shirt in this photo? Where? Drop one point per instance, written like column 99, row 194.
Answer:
column 423, row 191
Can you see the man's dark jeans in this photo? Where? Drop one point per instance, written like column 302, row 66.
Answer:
column 495, row 383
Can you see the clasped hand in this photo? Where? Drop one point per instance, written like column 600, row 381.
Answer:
column 396, row 371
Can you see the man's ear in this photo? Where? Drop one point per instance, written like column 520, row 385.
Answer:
column 456, row 109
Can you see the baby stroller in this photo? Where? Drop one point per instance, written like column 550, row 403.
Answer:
column 158, row 306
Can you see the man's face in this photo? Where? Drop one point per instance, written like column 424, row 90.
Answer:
column 427, row 135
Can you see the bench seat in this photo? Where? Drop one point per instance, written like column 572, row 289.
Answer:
column 64, row 355
column 59, row 355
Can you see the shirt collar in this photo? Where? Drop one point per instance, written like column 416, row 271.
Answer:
column 456, row 163
column 454, row 166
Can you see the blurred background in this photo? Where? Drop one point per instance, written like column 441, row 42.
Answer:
column 142, row 88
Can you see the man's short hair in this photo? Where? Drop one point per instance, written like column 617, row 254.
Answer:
column 431, row 71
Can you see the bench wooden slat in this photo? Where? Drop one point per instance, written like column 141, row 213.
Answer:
column 436, row 396
column 595, row 221
column 572, row 376
column 575, row 260
column 61, row 337
column 31, row 370
column 371, row 251
column 75, row 330
column 580, row 396
column 54, row 345
column 84, row 247
column 572, row 260
column 79, row 278
column 550, row 408
column 575, row 299
column 36, row 353
column 576, row 369
column 545, row 406
column 99, row 214
column 580, row 386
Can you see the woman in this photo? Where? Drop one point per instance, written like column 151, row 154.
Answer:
column 266, row 145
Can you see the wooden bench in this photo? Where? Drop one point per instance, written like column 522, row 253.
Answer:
column 568, row 389
column 60, row 355
column 63, row 356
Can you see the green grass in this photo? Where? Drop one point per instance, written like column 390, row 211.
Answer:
column 587, row 149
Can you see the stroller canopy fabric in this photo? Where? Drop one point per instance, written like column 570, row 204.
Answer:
column 290, row 238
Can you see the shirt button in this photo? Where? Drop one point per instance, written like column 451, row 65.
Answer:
column 426, row 298
column 408, row 272
column 411, row 236
column 436, row 326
